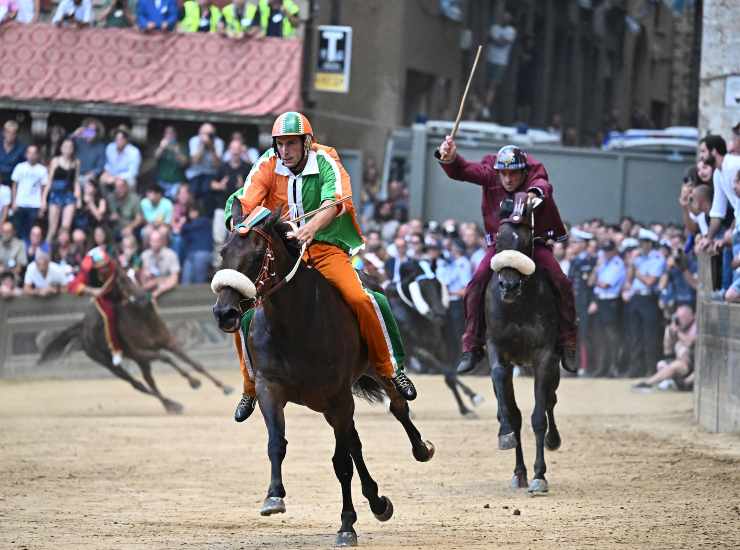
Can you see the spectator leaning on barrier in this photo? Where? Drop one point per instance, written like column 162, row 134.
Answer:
column 713, row 150
column 117, row 15
column 159, row 15
column 29, row 179
column 12, row 151
column 733, row 292
column 28, row 11
column 8, row 287
column 75, row 13
column 43, row 277
column 696, row 204
column 122, row 159
column 201, row 16
column 90, row 148
column 13, row 256
column 277, row 18
column 8, row 10
column 160, row 266
column 238, row 17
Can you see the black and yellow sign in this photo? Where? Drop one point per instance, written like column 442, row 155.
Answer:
column 335, row 59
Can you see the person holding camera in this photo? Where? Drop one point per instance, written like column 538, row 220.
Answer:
column 206, row 150
column 678, row 345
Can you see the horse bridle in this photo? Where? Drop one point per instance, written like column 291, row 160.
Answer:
column 267, row 272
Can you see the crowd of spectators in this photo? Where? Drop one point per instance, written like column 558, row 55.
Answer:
column 164, row 226
column 237, row 19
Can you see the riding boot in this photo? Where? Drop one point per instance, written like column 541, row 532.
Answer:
column 404, row 385
column 568, row 355
column 469, row 360
column 245, row 408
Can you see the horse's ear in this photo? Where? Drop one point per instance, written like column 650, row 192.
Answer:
column 274, row 217
column 237, row 214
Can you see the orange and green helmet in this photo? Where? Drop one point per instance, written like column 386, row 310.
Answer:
column 291, row 124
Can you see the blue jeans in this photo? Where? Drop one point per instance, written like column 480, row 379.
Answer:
column 195, row 268
column 23, row 220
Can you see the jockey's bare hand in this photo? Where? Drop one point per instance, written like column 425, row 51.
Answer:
column 305, row 234
column 447, row 150
column 94, row 292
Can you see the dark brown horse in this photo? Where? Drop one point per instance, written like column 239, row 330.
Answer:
column 143, row 335
column 306, row 348
column 522, row 329
column 419, row 305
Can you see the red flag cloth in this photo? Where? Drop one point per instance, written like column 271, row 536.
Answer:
column 194, row 71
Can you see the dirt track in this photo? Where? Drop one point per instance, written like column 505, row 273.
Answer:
column 94, row 464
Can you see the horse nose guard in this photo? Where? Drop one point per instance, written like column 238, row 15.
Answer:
column 231, row 278
column 513, row 259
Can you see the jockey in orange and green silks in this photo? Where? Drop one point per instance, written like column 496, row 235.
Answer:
column 302, row 175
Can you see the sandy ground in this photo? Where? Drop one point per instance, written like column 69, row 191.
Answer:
column 95, row 464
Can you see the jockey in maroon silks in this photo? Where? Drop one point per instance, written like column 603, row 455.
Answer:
column 501, row 175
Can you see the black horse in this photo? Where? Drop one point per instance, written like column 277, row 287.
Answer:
column 420, row 304
column 522, row 329
column 143, row 334
column 306, row 348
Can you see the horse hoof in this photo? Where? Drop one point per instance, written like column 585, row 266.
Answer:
column 477, row 400
column 519, row 481
column 552, row 440
column 346, row 538
column 388, row 513
column 272, row 505
column 194, row 383
column 228, row 390
column 173, row 407
column 538, row 486
column 508, row 441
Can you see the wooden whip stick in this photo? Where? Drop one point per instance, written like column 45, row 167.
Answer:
column 465, row 94
column 321, row 208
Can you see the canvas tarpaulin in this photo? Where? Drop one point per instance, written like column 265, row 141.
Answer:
column 195, row 72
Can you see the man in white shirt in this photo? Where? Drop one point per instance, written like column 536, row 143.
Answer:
column 122, row 160
column 28, row 179
column 43, row 277
column 502, row 38
column 6, row 197
column 713, row 150
column 28, row 11
column 76, row 13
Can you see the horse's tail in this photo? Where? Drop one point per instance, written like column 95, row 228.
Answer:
column 56, row 347
column 368, row 389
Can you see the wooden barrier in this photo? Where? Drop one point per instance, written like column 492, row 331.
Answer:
column 27, row 322
column 717, row 385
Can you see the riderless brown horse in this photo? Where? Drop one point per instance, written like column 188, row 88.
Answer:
column 522, row 321
column 420, row 304
column 143, row 335
column 305, row 348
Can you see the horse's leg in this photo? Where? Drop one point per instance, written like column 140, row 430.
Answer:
column 341, row 420
column 451, row 381
column 149, row 356
column 509, row 415
column 273, row 411
column 146, row 371
column 552, row 437
column 178, row 352
column 382, row 507
column 475, row 398
column 423, row 450
column 544, row 382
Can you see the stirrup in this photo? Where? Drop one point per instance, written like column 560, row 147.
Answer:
column 404, row 386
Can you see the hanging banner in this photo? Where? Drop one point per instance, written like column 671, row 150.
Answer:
column 335, row 59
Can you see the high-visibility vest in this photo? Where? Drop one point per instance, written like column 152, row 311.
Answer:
column 290, row 6
column 191, row 19
column 239, row 25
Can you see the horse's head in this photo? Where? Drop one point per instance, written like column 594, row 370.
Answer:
column 253, row 262
column 514, row 244
column 425, row 291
